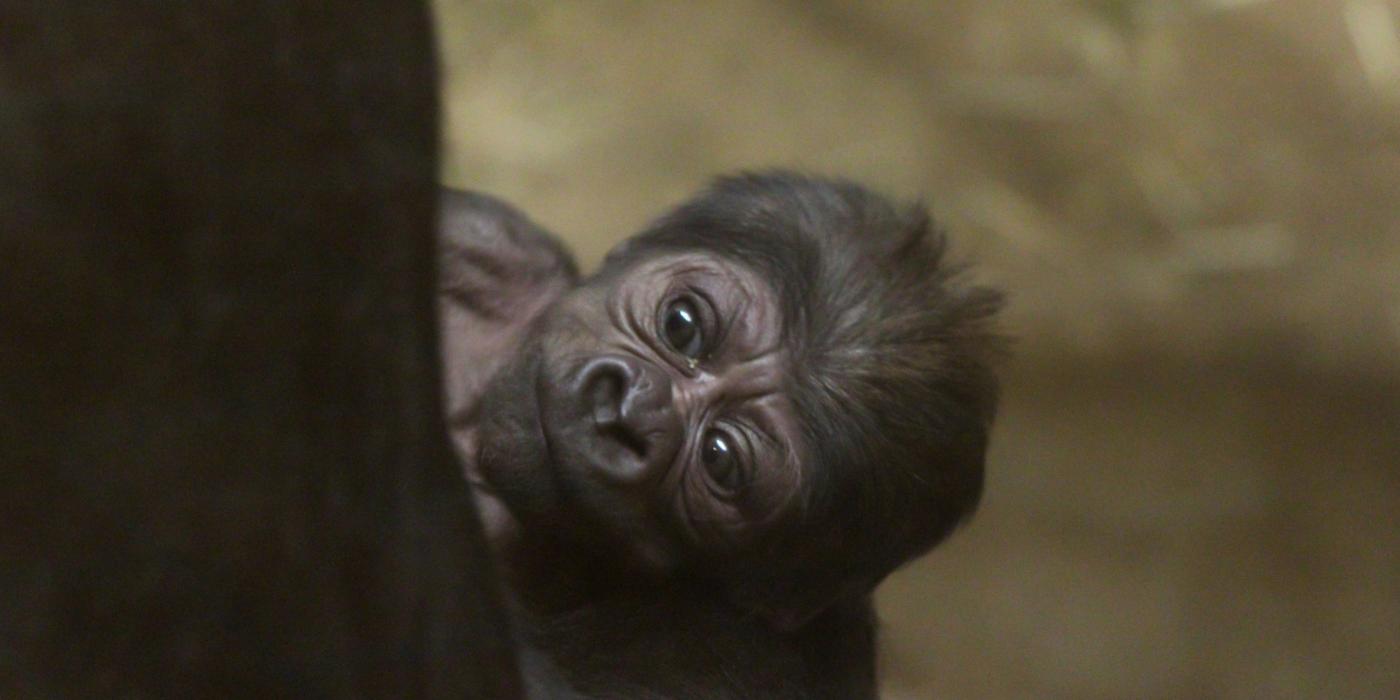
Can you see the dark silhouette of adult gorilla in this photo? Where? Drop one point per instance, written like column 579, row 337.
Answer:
column 222, row 465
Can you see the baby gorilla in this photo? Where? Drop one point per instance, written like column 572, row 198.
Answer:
column 696, row 465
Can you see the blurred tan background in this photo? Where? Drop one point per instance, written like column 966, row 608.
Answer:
column 1194, row 490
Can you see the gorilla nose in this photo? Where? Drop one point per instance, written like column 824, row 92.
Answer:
column 636, row 429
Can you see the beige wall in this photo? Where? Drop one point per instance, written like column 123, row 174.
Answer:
column 1195, row 487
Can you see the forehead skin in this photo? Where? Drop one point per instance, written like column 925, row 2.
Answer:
column 742, row 381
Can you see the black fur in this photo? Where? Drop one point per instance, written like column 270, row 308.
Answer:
column 893, row 375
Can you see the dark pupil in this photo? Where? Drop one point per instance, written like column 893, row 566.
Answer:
column 719, row 460
column 683, row 329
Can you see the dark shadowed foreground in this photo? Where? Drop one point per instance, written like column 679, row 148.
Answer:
column 222, row 466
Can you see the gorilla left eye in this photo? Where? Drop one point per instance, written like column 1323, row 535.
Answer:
column 680, row 327
column 721, row 461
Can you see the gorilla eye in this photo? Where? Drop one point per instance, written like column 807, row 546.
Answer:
column 680, row 326
column 722, row 461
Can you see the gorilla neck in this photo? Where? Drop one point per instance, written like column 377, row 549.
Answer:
column 539, row 572
column 548, row 573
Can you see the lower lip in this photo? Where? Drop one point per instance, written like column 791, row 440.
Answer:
column 539, row 415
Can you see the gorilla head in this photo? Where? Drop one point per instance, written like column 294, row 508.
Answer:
column 780, row 391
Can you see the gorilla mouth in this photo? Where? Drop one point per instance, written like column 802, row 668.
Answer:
column 556, row 416
column 542, row 423
column 563, row 459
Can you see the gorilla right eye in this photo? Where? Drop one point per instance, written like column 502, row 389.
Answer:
column 680, row 327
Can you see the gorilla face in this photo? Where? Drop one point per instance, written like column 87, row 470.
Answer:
column 647, row 407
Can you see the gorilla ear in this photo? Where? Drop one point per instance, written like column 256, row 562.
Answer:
column 798, row 604
column 789, row 594
column 793, row 615
column 497, row 271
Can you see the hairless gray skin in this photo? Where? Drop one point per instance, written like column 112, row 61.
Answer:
column 695, row 465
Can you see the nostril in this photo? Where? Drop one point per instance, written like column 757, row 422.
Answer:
column 604, row 392
column 610, row 399
column 629, row 439
column 634, row 426
column 609, row 390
